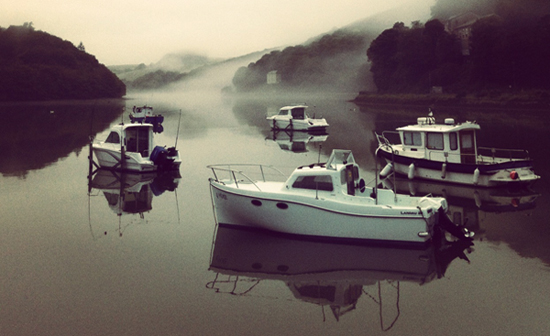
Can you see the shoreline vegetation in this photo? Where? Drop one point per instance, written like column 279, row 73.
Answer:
column 533, row 100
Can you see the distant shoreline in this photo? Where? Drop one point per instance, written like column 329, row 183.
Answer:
column 537, row 100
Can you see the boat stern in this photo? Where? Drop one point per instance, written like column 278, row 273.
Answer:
column 517, row 176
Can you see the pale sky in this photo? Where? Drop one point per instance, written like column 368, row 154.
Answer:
column 138, row 31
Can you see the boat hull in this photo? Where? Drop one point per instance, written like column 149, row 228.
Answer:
column 487, row 175
column 320, row 218
column 111, row 159
column 299, row 125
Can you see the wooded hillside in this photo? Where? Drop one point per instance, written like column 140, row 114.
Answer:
column 35, row 65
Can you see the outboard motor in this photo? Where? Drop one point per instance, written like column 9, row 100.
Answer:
column 461, row 233
column 162, row 157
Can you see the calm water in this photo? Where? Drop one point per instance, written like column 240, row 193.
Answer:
column 77, row 261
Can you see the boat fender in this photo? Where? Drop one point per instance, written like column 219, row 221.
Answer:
column 386, row 170
column 514, row 175
column 411, row 171
column 475, row 178
column 443, row 170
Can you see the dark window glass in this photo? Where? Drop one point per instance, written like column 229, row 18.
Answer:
column 113, row 138
column 313, row 182
column 435, row 141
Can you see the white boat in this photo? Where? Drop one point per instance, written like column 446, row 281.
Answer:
column 295, row 118
column 323, row 201
column 130, row 147
column 449, row 152
column 144, row 114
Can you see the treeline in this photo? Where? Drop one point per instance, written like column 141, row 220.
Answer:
column 509, row 49
column 503, row 55
column 320, row 63
column 37, row 66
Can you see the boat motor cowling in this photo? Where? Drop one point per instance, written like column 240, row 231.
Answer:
column 163, row 157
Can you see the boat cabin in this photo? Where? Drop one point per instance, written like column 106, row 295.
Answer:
column 448, row 142
column 136, row 138
column 339, row 174
column 142, row 112
column 297, row 112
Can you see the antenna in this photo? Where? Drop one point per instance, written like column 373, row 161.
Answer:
column 178, row 133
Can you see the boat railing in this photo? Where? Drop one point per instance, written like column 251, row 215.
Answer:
column 485, row 155
column 384, row 142
column 501, row 154
column 245, row 173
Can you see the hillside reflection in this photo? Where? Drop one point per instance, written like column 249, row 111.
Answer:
column 33, row 136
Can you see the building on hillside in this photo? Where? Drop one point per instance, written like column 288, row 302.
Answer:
column 461, row 26
column 273, row 77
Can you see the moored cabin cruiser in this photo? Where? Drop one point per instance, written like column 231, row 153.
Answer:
column 144, row 114
column 130, row 147
column 322, row 200
column 449, row 152
column 295, row 118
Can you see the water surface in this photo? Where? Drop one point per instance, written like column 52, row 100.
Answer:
column 75, row 261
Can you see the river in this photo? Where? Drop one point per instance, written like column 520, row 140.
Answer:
column 77, row 262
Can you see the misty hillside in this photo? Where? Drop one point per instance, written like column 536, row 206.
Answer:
column 35, row 65
column 335, row 61
column 171, row 68
column 333, row 68
column 174, row 62
column 508, row 10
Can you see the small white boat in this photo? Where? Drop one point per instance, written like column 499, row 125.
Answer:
column 323, row 201
column 130, row 147
column 144, row 114
column 295, row 118
column 449, row 152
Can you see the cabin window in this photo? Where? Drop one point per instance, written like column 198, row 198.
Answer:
column 298, row 113
column 322, row 182
column 113, row 138
column 137, row 140
column 435, row 141
column 453, row 139
column 412, row 138
column 283, row 112
column 467, row 141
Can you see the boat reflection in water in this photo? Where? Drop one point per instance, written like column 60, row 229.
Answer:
column 465, row 202
column 296, row 141
column 131, row 193
column 326, row 274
